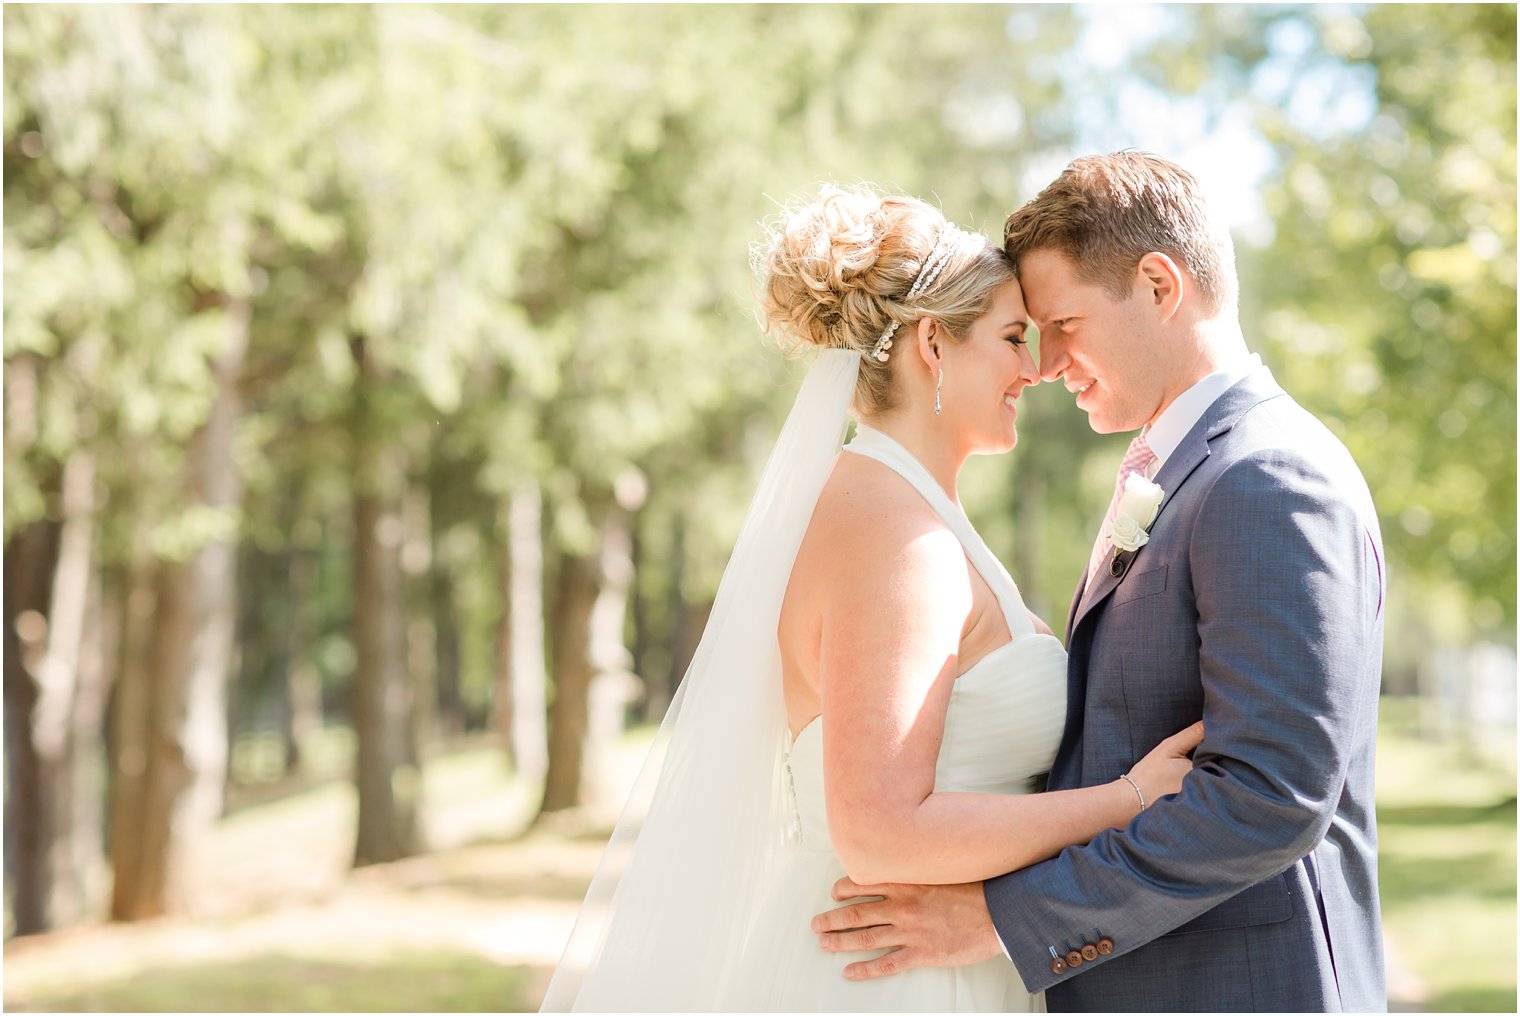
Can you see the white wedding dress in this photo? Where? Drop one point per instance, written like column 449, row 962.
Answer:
column 1001, row 732
column 722, row 857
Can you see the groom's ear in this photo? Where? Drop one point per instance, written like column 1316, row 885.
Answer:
column 1162, row 282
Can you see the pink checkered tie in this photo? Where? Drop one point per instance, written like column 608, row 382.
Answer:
column 1138, row 459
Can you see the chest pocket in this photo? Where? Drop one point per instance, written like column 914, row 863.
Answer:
column 1138, row 585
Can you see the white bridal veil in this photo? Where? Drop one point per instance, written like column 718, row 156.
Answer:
column 664, row 922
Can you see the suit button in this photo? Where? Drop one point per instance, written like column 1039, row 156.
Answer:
column 1105, row 946
column 1058, row 966
column 1073, row 959
column 1089, row 952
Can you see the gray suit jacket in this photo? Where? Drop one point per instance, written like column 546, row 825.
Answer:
column 1257, row 604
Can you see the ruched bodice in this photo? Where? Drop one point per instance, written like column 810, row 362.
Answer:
column 1001, row 732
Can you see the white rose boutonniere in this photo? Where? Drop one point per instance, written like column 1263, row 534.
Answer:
column 1137, row 510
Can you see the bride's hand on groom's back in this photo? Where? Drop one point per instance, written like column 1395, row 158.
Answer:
column 924, row 925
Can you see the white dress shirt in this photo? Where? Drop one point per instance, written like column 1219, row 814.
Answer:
column 1167, row 431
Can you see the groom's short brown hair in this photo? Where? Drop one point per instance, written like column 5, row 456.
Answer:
column 1105, row 212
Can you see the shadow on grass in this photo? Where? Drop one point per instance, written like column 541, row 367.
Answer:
column 1477, row 999
column 495, row 886
column 569, row 828
column 1446, row 814
column 1448, row 870
column 1448, row 850
column 416, row 982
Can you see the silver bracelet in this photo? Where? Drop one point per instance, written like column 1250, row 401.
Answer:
column 1138, row 792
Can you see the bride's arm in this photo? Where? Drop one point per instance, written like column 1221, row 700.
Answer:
column 893, row 617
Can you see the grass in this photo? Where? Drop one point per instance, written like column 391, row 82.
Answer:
column 278, row 922
column 284, row 982
column 1447, row 867
column 281, row 925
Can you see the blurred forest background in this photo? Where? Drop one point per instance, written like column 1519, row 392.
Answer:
column 383, row 393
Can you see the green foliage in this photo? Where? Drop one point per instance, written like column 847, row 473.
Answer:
column 535, row 220
column 1390, row 291
column 135, row 209
column 538, row 221
column 1385, row 300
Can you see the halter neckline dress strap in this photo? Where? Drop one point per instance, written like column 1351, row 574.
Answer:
column 873, row 444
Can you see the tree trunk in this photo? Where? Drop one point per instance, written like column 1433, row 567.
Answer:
column 660, row 681
column 388, row 785
column 387, row 777
column 453, row 717
column 251, row 668
column 131, row 708
column 183, row 732
column 499, row 703
column 574, row 598
column 519, row 710
column 441, row 584
column 592, row 679
column 615, row 685
column 690, row 621
column 638, row 616
column 65, row 693
column 54, row 692
column 303, row 693
column 97, row 674
column 422, row 636
column 30, row 557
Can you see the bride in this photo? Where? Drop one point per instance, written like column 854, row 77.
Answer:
column 870, row 697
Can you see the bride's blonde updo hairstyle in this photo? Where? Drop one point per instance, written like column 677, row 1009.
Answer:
column 837, row 270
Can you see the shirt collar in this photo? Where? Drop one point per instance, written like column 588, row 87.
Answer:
column 1167, row 431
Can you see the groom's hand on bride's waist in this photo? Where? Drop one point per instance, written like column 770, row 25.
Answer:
column 924, row 925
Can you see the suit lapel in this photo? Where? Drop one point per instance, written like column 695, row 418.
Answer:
column 1071, row 611
column 1256, row 388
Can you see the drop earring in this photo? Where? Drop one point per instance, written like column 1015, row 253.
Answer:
column 937, row 383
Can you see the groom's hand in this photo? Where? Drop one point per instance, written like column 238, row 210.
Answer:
column 924, row 925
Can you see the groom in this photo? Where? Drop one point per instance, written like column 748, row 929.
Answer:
column 1254, row 601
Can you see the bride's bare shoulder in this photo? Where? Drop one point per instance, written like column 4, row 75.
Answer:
column 862, row 493
column 871, row 524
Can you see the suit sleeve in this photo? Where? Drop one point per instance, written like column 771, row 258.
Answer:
column 1286, row 617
